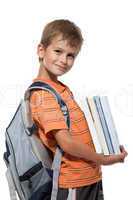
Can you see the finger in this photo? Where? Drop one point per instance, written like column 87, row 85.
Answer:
column 122, row 148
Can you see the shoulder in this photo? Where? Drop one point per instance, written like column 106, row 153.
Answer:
column 40, row 95
column 43, row 99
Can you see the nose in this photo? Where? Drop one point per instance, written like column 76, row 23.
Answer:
column 63, row 59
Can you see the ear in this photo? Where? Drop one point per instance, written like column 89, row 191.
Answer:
column 40, row 51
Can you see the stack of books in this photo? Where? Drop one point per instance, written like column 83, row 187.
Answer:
column 101, row 125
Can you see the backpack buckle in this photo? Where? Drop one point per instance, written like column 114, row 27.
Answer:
column 64, row 110
column 32, row 129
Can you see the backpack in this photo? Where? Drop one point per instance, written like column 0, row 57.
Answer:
column 32, row 173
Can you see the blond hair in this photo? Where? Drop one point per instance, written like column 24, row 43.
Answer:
column 67, row 29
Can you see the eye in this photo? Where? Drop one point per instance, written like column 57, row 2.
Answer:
column 71, row 55
column 57, row 51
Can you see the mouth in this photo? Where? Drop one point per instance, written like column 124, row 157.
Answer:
column 61, row 68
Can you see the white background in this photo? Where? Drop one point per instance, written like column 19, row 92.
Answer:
column 104, row 66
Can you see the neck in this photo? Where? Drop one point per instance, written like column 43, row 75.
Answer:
column 43, row 73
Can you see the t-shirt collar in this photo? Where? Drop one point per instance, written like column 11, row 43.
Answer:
column 58, row 86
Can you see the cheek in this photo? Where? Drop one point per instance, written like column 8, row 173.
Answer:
column 70, row 63
column 48, row 60
column 51, row 58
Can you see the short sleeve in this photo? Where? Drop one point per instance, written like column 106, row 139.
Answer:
column 46, row 111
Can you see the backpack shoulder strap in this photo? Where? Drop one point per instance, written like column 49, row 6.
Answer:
column 58, row 154
column 44, row 86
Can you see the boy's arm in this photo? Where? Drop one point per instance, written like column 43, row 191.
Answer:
column 80, row 150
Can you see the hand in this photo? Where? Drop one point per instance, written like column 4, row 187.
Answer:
column 112, row 159
column 124, row 152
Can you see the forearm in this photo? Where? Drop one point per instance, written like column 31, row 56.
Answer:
column 76, row 148
column 84, row 151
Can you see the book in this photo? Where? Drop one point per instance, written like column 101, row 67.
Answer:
column 92, row 128
column 98, row 126
column 110, row 123
column 104, row 124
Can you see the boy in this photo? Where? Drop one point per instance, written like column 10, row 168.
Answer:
column 80, row 168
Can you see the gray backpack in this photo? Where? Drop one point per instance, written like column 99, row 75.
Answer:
column 32, row 173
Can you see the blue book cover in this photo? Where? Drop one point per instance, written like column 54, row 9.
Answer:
column 110, row 123
column 104, row 124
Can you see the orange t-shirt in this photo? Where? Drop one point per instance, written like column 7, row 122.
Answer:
column 46, row 113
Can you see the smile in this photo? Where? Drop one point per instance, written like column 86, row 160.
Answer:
column 61, row 68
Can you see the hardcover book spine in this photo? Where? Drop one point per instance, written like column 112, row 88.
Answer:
column 110, row 124
column 103, row 123
column 98, row 126
column 92, row 128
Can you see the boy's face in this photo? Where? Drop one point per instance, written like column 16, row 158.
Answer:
column 58, row 57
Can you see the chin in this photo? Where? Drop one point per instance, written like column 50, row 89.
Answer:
column 60, row 73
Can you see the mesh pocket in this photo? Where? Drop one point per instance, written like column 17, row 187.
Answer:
column 37, row 182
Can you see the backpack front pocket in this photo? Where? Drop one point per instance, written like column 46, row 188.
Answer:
column 37, row 182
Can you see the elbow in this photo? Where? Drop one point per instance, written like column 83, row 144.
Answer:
column 67, row 147
column 64, row 140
